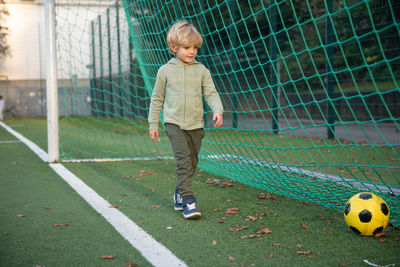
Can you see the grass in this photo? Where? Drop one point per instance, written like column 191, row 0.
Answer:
column 29, row 187
column 96, row 137
column 302, row 233
column 89, row 138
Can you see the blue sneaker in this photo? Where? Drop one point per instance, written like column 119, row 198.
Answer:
column 177, row 200
column 189, row 208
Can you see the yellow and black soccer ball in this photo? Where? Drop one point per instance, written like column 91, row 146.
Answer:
column 366, row 214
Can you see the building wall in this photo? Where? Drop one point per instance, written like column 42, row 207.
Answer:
column 23, row 73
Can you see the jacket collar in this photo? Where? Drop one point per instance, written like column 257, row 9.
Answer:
column 174, row 61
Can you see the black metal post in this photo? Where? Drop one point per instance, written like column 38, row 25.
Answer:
column 93, row 99
column 234, row 63
column 102, row 97
column 121, row 92
column 329, row 71
column 274, row 71
column 110, row 77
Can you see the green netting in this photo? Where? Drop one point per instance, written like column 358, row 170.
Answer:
column 310, row 89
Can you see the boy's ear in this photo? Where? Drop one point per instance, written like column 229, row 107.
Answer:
column 173, row 49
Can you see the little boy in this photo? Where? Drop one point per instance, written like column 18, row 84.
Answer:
column 179, row 87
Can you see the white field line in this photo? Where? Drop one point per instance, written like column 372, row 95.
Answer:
column 43, row 155
column 154, row 252
column 116, row 159
column 9, row 141
column 343, row 181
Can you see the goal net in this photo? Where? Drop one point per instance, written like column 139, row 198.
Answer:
column 310, row 89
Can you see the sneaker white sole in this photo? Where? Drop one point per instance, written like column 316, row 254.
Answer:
column 193, row 215
column 176, row 208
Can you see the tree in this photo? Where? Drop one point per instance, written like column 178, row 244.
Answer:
column 4, row 31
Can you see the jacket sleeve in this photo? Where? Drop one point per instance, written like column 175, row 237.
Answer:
column 210, row 93
column 157, row 100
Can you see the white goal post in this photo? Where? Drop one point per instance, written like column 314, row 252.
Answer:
column 51, row 81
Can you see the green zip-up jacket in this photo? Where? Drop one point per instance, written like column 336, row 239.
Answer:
column 179, row 90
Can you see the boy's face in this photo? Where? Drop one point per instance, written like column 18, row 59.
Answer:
column 185, row 54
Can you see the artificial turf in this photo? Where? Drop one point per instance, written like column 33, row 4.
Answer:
column 301, row 233
column 297, row 233
column 44, row 222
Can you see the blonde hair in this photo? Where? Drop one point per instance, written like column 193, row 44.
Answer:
column 182, row 33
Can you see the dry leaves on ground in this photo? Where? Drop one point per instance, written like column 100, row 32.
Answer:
column 232, row 211
column 238, row 228
column 305, row 226
column 303, row 252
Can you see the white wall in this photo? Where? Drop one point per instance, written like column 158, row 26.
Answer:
column 26, row 38
column 27, row 49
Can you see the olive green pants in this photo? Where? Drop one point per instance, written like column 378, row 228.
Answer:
column 186, row 146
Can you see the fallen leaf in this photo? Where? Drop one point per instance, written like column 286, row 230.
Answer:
column 264, row 195
column 147, row 173
column 305, row 226
column 271, row 255
column 231, row 210
column 251, row 218
column 238, row 228
column 379, row 234
column 156, row 206
column 214, row 243
column 153, row 190
column 21, row 215
column 216, row 210
column 266, row 231
column 248, row 236
column 107, row 257
column 382, row 240
column 115, row 207
column 231, row 258
column 47, row 208
column 275, row 244
column 303, row 252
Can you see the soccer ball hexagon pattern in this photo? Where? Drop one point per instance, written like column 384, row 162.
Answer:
column 366, row 214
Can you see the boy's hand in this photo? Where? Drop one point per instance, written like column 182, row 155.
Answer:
column 154, row 135
column 219, row 119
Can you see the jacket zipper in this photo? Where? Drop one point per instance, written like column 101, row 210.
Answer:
column 184, row 88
